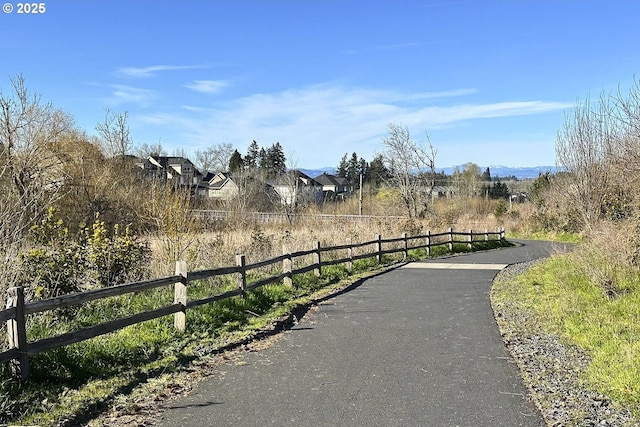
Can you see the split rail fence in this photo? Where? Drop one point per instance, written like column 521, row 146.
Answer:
column 20, row 348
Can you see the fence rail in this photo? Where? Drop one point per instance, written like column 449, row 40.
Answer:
column 17, row 309
column 213, row 215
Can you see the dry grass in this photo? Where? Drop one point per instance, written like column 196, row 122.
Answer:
column 218, row 245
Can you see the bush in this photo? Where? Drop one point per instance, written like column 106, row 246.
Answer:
column 60, row 263
column 501, row 209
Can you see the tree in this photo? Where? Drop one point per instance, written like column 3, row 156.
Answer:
column 251, row 160
column 586, row 148
column 351, row 168
column 145, row 150
column 31, row 168
column 114, row 134
column 214, row 158
column 31, row 172
column 235, row 162
column 356, row 167
column 179, row 152
column 274, row 162
column 412, row 168
column 486, row 175
column 377, row 172
column 342, row 170
column 499, row 190
column 470, row 180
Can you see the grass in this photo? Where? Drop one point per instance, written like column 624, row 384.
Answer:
column 597, row 312
column 84, row 379
column 555, row 236
column 87, row 377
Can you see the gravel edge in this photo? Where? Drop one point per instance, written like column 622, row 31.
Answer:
column 552, row 370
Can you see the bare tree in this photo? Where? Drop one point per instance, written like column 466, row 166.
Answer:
column 114, row 134
column 585, row 148
column 470, row 180
column 214, row 158
column 145, row 150
column 412, row 168
column 30, row 165
column 179, row 152
column 31, row 172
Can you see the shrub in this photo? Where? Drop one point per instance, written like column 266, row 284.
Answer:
column 501, row 209
column 60, row 263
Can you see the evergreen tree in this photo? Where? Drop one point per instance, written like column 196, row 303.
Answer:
column 486, row 175
column 353, row 170
column 377, row 172
column 499, row 190
column 253, row 155
column 236, row 162
column 263, row 162
column 343, row 167
column 277, row 159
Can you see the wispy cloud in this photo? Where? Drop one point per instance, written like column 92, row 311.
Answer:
column 123, row 94
column 142, row 72
column 317, row 124
column 208, row 86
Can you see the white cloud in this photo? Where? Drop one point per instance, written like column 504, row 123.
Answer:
column 141, row 72
column 207, row 86
column 317, row 124
column 123, row 94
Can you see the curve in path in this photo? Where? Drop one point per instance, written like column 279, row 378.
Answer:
column 415, row 346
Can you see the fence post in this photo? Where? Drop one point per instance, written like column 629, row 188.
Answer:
column 242, row 282
column 486, row 234
column 379, row 248
column 350, row 256
column 405, row 243
column 317, row 260
column 180, row 296
column 428, row 242
column 287, row 266
column 17, row 331
column 501, row 229
column 470, row 244
column 450, row 239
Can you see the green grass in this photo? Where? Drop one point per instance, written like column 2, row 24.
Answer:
column 87, row 377
column 569, row 298
column 555, row 236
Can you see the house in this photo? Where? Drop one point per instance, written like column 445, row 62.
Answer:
column 519, row 197
column 334, row 187
column 442, row 192
column 179, row 170
column 295, row 188
column 221, row 186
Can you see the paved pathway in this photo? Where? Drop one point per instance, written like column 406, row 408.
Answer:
column 416, row 346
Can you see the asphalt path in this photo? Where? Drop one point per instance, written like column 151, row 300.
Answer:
column 414, row 346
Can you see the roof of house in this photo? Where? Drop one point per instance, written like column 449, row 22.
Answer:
column 222, row 182
column 328, row 179
column 285, row 179
column 165, row 162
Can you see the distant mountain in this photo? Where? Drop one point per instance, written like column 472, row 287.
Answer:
column 497, row 171
column 317, row 172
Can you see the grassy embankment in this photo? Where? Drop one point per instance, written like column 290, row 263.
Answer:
column 81, row 380
column 589, row 298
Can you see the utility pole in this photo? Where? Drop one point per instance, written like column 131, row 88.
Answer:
column 360, row 200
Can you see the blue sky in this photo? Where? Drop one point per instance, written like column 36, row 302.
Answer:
column 490, row 81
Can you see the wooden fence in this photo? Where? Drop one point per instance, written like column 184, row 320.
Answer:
column 271, row 217
column 17, row 309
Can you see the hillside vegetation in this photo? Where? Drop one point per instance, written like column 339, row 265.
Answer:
column 589, row 298
column 77, row 213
